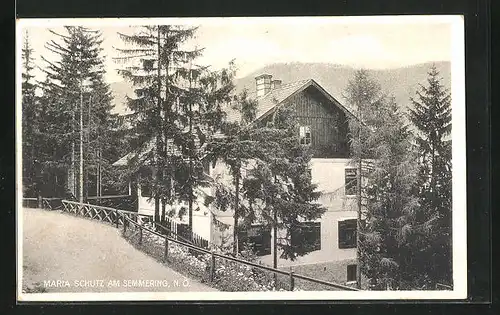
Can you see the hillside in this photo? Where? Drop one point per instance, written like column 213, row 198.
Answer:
column 400, row 82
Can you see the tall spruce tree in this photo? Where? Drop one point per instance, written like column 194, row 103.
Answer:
column 178, row 106
column 431, row 115
column 102, row 142
column 387, row 240
column 156, row 63
column 364, row 96
column 235, row 149
column 278, row 188
column 73, row 88
column 390, row 234
column 31, row 185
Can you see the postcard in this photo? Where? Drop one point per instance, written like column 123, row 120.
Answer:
column 262, row 158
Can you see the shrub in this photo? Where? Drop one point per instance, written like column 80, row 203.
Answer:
column 228, row 275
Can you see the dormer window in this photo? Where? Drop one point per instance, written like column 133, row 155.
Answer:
column 305, row 135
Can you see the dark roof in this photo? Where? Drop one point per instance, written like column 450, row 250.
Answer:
column 266, row 105
column 268, row 102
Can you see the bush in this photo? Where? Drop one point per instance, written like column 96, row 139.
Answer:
column 228, row 276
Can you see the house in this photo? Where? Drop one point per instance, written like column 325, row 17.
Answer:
column 324, row 126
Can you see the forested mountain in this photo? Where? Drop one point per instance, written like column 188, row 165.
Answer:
column 401, row 82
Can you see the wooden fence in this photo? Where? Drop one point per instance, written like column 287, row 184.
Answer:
column 106, row 214
column 124, row 218
column 179, row 231
column 47, row 203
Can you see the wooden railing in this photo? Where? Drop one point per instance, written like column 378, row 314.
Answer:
column 106, row 214
column 124, row 218
column 47, row 203
column 291, row 275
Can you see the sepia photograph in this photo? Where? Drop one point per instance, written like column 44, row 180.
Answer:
column 277, row 158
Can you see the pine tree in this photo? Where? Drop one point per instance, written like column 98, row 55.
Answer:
column 153, row 62
column 235, row 149
column 431, row 115
column 364, row 96
column 387, row 240
column 278, row 188
column 74, row 88
column 101, row 141
column 390, row 235
column 178, row 106
column 29, row 123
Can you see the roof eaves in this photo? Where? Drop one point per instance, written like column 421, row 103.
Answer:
column 297, row 90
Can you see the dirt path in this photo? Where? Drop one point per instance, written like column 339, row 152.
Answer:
column 62, row 253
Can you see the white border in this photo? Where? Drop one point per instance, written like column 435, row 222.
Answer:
column 458, row 152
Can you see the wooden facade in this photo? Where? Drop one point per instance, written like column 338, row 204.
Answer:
column 328, row 124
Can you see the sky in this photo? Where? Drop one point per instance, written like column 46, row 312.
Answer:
column 375, row 42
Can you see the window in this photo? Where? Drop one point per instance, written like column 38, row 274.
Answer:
column 306, row 236
column 351, row 272
column 351, row 181
column 258, row 238
column 305, row 134
column 347, row 233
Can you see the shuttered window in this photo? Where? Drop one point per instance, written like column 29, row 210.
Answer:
column 307, row 235
column 351, row 272
column 347, row 233
column 257, row 238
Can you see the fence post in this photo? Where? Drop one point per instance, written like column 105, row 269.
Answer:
column 165, row 254
column 292, row 281
column 140, row 234
column 117, row 219
column 124, row 223
column 212, row 266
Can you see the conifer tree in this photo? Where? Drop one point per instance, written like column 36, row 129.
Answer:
column 387, row 240
column 364, row 96
column 72, row 82
column 235, row 149
column 29, row 122
column 278, row 188
column 178, row 106
column 156, row 64
column 390, row 235
column 431, row 115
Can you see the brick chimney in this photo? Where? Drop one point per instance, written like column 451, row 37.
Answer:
column 263, row 84
column 275, row 84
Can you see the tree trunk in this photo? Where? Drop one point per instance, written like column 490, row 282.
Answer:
column 359, row 202
column 358, row 225
column 236, row 212
column 163, row 206
column 275, row 245
column 159, row 166
column 192, row 144
column 80, row 173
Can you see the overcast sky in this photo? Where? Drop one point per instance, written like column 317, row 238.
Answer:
column 370, row 43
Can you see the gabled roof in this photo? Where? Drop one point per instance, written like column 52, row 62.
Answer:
column 143, row 155
column 268, row 103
